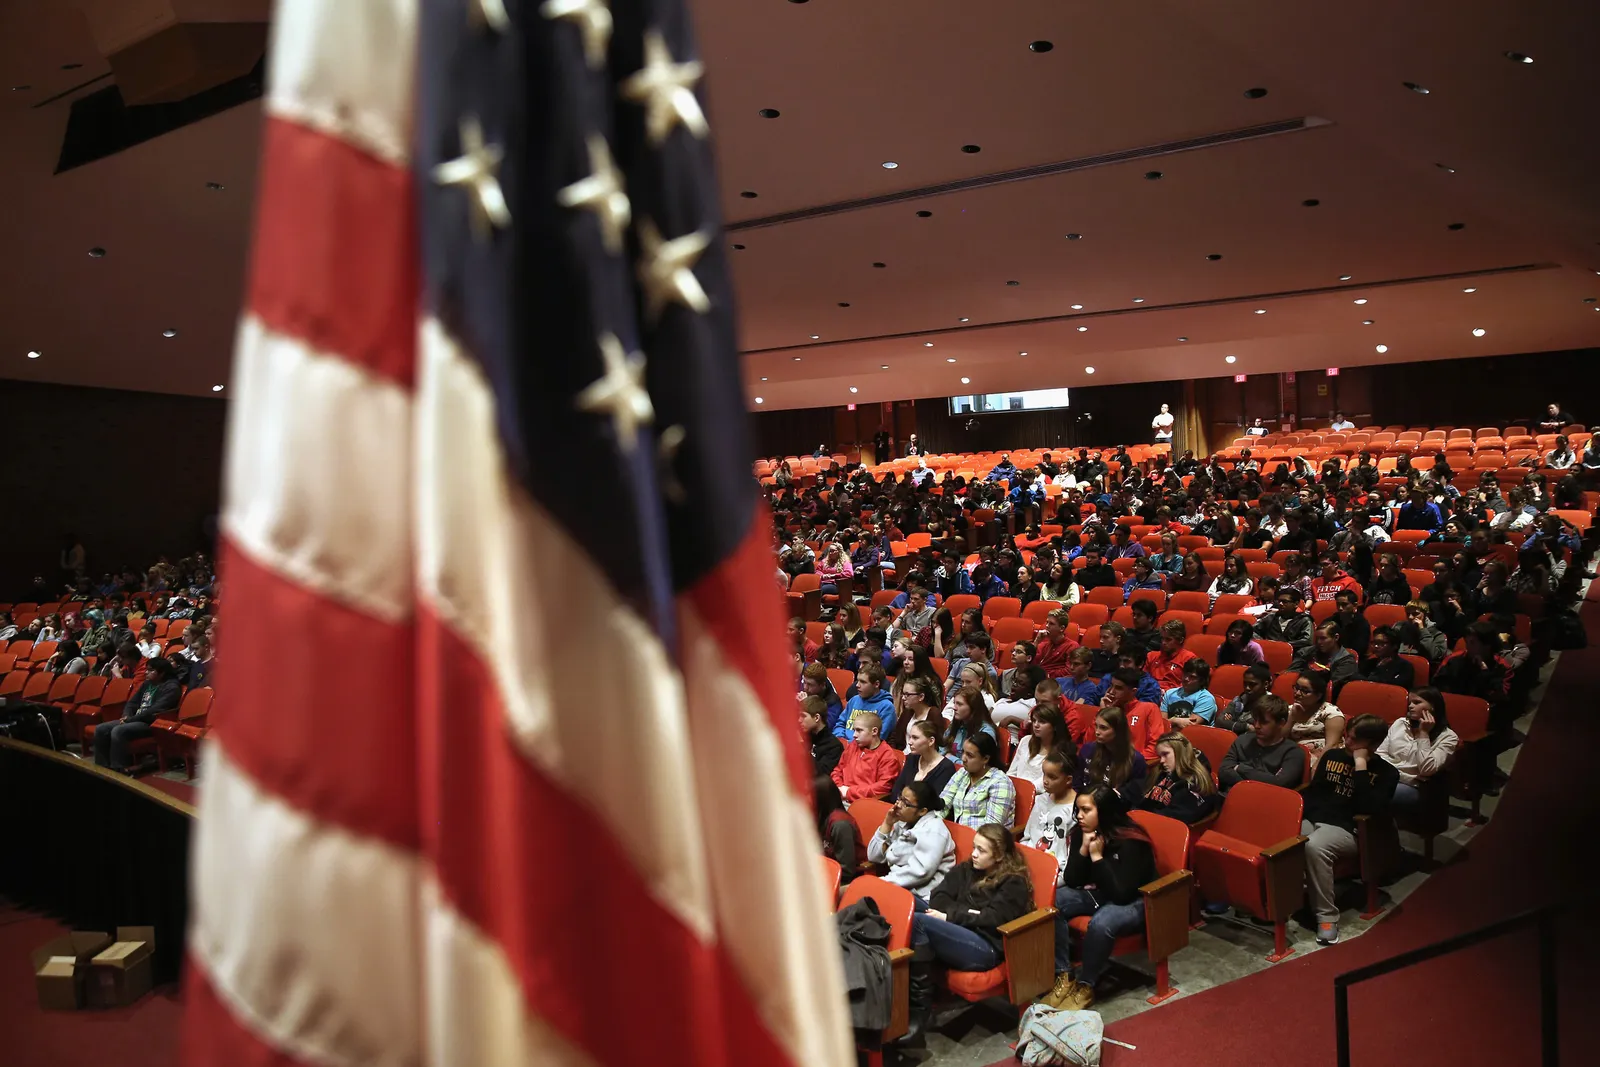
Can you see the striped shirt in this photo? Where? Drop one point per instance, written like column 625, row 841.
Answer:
column 991, row 798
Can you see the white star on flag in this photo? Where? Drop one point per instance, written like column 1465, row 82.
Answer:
column 601, row 192
column 666, row 270
column 666, row 91
column 620, row 392
column 476, row 171
column 593, row 18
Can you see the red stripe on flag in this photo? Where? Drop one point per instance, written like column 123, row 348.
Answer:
column 336, row 250
column 600, row 961
column 320, row 708
column 735, row 606
column 211, row 1033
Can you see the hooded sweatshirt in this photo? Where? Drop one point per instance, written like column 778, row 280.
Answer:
column 919, row 855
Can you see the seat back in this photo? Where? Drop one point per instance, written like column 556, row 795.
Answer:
column 1025, row 797
column 1361, row 697
column 868, row 815
column 1091, row 614
column 1190, row 600
column 1042, row 869
column 959, row 602
column 1213, row 741
column 1421, row 670
column 1157, row 597
column 116, row 693
column 89, row 690
column 1001, row 607
column 1231, row 603
column 1011, row 630
column 1169, row 839
column 894, row 904
column 1469, row 716
column 7, row 662
column 832, row 878
column 1039, row 611
column 196, row 704
column 1205, row 646
column 842, row 681
column 1227, row 682
column 1218, row 622
column 13, row 683
column 1279, row 654
column 1260, row 813
column 1385, row 614
column 1193, row 621
column 42, row 651
column 37, row 686
column 64, row 687
column 962, row 836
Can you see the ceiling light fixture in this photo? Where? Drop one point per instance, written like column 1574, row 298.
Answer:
column 880, row 266
column 215, row 187
column 1261, row 311
column 1077, row 307
column 1088, row 370
column 1183, row 338
column 971, row 149
column 1230, row 359
column 1479, row 332
column 1214, row 256
column 1456, row 226
column 169, row 333
column 763, row 379
column 1345, row 277
column 1083, row 329
column 1420, row 90
column 797, row 359
column 1074, row 236
column 950, row 359
column 1013, row 284
column 889, row 164
column 1313, row 202
column 216, row 388
column 927, row 344
column 1022, row 353
column 1382, row 349
column 97, row 252
column 816, row 337
column 1470, row 289
column 884, row 367
column 1138, row 300
column 962, row 319
column 33, row 355
column 966, row 381
column 20, row 88
column 738, row 248
column 853, row 389
column 1255, row 94
column 748, row 194
column 1518, row 57
column 1366, row 322
column 760, row 400
column 1040, row 46
column 769, row 112
column 1152, row 175
column 1446, row 168
column 1361, row 300
column 844, row 303
column 924, row 214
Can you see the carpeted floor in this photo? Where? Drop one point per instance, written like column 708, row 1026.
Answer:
column 1477, row 1007
column 141, row 1035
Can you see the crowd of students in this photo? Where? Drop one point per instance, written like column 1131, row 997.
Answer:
column 936, row 748
column 108, row 628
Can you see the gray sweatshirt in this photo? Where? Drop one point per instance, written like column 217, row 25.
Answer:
column 1249, row 760
column 918, row 856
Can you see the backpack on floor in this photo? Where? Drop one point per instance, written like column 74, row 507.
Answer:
column 1050, row 1036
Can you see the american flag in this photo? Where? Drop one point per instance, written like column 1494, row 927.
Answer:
column 510, row 773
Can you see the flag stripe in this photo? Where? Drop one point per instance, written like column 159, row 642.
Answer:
column 319, row 473
column 325, row 719
column 347, row 68
column 214, row 1033
column 335, row 261
column 286, row 897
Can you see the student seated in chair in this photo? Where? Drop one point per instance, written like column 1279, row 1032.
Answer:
column 1191, row 704
column 869, row 697
column 1055, row 809
column 1181, row 786
column 1111, row 758
column 1267, row 753
column 1348, row 781
column 979, row 792
column 913, row 841
column 159, row 695
column 1419, row 745
column 868, row 766
column 959, row 926
column 841, row 836
column 1079, row 685
column 1047, row 733
column 1108, row 859
column 825, row 748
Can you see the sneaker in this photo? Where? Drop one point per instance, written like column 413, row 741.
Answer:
column 1327, row 933
column 1216, row 907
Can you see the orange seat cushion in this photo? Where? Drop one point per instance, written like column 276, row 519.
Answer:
column 1120, row 947
column 979, row 985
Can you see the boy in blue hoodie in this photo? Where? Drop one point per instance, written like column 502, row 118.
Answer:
column 869, row 696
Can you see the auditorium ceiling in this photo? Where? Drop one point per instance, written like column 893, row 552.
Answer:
column 1143, row 189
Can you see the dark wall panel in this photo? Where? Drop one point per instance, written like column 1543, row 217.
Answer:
column 134, row 475
column 1489, row 390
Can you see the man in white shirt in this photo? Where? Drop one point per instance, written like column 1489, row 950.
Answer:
column 1162, row 425
column 1340, row 423
column 1256, row 429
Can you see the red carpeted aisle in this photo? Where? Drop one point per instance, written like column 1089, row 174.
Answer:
column 1477, row 1007
column 141, row 1035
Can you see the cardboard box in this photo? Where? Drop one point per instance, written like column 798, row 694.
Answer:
column 121, row 974
column 60, row 969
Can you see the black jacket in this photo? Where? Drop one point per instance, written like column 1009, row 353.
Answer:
column 1171, row 796
column 1092, row 577
column 864, row 943
column 982, row 910
column 825, row 752
column 1390, row 672
column 1338, row 792
column 1126, row 864
column 162, row 697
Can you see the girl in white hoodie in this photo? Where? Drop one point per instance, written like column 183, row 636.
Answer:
column 1419, row 745
column 914, row 841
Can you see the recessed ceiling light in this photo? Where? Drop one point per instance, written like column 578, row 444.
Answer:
column 1152, row 175
column 769, row 112
column 844, row 303
column 927, row 344
column 1088, row 370
column 1470, row 289
column 1446, row 168
column 169, row 333
column 1456, row 226
column 1214, row 256
column 1382, row 349
column 1345, row 277
column 1183, row 338
column 1366, row 322
column 884, row 367
column 748, row 194
column 971, row 149
column 966, row 381
column 1479, row 332
column 1040, row 46
column 816, row 337
column 1313, row 202
column 1077, row 307
column 1230, row 359
column 962, row 319
column 1022, row 353
column 797, row 359
column 1255, row 94
column 1138, row 300
column 924, row 214
column 1518, row 57
column 763, row 379
column 20, row 88
column 1261, row 311
column 216, row 388
column 97, row 252
column 950, row 359
column 1083, row 329
column 738, row 248
column 1074, row 236
column 33, row 355
column 880, row 266
column 215, row 187
column 1013, row 283
column 760, row 400
column 853, row 389
column 1361, row 300
column 889, row 164
column 1420, row 90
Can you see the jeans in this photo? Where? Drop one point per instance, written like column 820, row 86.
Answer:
column 956, row 947
column 1406, row 796
column 828, row 589
column 111, row 742
column 1326, row 845
column 1108, row 922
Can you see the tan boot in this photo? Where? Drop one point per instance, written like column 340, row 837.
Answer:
column 1059, row 991
column 1079, row 998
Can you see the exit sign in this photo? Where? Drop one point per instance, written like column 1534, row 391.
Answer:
column 849, row 407
column 1333, row 372
column 1240, row 377
column 1288, row 377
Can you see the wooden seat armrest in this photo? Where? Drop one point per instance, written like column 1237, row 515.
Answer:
column 1030, row 951
column 900, row 992
column 1285, row 876
column 1166, row 914
column 898, row 954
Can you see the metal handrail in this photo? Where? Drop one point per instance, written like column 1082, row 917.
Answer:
column 1543, row 918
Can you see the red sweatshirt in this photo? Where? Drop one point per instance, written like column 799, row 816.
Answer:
column 1167, row 670
column 868, row 772
column 1054, row 660
column 1146, row 726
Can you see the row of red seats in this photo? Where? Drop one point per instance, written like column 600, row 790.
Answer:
column 86, row 701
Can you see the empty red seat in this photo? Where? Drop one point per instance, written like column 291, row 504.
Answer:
column 1254, row 857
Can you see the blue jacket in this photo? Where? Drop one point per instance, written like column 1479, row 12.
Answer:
column 1424, row 517
column 1088, row 691
column 1149, row 689
column 993, row 587
column 883, row 704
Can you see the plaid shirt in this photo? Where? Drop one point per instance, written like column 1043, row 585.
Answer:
column 991, row 798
